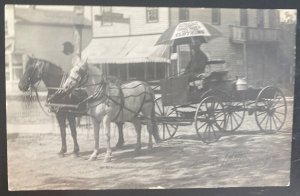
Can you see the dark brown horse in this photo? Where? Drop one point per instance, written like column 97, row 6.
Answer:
column 53, row 76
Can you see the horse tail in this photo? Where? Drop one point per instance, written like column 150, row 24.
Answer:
column 154, row 125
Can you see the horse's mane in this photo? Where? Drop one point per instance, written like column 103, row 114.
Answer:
column 49, row 63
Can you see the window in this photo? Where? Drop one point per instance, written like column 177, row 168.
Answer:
column 243, row 17
column 151, row 14
column 260, row 18
column 183, row 14
column 216, row 16
column 272, row 18
column 106, row 15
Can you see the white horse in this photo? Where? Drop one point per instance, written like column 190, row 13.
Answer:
column 109, row 102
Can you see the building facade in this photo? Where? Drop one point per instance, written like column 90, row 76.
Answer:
column 123, row 42
column 251, row 43
column 41, row 33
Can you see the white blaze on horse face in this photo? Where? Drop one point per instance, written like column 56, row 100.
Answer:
column 73, row 78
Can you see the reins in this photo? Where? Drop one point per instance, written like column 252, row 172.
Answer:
column 38, row 99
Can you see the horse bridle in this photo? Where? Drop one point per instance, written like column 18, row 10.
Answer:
column 83, row 77
column 29, row 79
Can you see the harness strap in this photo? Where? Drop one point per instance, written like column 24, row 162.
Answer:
column 142, row 104
column 38, row 99
column 121, row 105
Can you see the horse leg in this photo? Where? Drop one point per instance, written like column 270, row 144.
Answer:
column 138, row 127
column 106, row 125
column 96, row 125
column 72, row 123
column 120, row 142
column 61, row 119
column 150, row 132
column 148, row 111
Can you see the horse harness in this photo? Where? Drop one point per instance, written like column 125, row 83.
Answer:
column 101, row 96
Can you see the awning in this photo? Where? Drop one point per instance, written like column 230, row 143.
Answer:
column 123, row 50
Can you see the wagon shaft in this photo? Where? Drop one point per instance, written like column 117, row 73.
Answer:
column 56, row 105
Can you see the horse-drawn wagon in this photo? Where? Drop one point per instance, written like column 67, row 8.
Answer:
column 210, row 101
column 218, row 106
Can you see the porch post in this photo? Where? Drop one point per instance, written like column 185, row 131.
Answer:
column 127, row 71
column 155, row 74
column 245, row 61
column 145, row 71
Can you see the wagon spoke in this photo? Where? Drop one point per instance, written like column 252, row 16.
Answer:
column 218, row 115
column 226, row 121
column 239, row 115
column 235, row 119
column 279, row 113
column 270, row 123
column 279, row 106
column 231, row 121
column 206, row 128
column 158, row 106
column 201, row 126
column 267, row 122
column 168, row 130
column 264, row 112
column 263, row 119
column 275, row 123
column 277, row 118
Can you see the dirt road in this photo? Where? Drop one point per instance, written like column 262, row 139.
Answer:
column 244, row 158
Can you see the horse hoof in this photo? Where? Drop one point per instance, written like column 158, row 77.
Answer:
column 93, row 158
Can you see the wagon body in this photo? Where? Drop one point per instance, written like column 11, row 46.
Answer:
column 215, row 105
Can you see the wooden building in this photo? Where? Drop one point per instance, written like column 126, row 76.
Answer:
column 40, row 33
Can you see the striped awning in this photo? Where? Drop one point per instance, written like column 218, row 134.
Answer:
column 123, row 50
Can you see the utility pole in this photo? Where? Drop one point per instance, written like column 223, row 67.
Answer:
column 78, row 24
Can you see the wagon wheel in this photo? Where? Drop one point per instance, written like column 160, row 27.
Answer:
column 234, row 110
column 235, row 115
column 163, row 114
column 209, row 119
column 270, row 109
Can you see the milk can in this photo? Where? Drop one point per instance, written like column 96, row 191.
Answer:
column 241, row 84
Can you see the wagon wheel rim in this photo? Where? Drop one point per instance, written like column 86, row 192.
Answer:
column 209, row 119
column 270, row 112
column 235, row 115
column 166, row 130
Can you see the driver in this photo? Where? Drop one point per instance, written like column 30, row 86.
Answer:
column 198, row 59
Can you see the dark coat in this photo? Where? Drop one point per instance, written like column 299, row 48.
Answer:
column 197, row 63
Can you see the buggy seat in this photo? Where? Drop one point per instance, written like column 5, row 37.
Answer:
column 215, row 70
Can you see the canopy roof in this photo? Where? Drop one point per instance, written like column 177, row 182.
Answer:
column 123, row 50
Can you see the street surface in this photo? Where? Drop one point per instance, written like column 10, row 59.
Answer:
column 246, row 157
